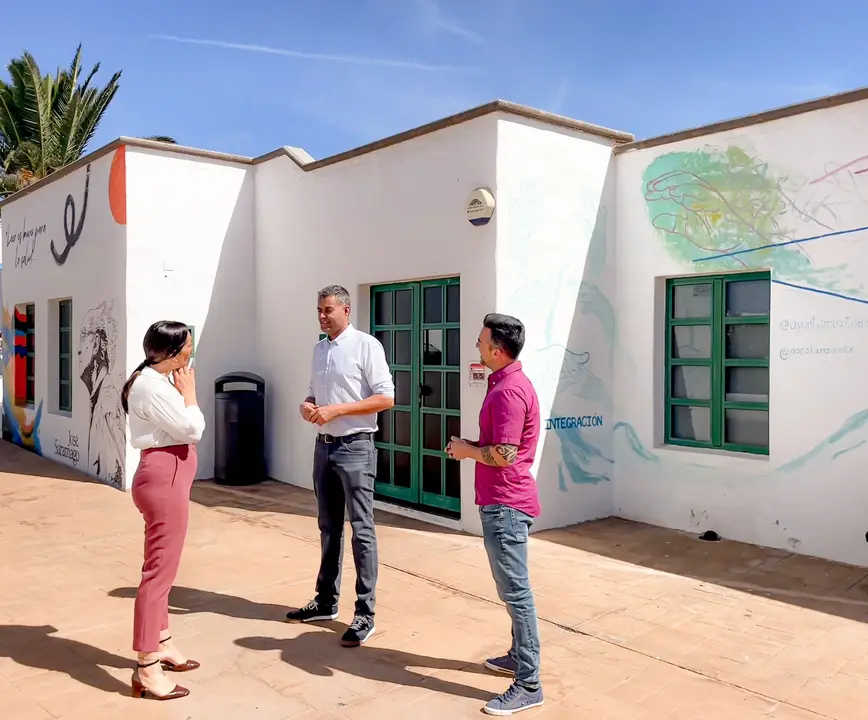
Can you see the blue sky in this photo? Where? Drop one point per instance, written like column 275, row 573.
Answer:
column 329, row 75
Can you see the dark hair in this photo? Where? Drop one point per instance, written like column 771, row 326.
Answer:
column 163, row 341
column 507, row 333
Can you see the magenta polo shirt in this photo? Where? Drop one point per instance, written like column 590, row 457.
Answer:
column 510, row 416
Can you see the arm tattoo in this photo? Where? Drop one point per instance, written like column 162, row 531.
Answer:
column 507, row 452
column 486, row 456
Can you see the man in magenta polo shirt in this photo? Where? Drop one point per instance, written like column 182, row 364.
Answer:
column 506, row 492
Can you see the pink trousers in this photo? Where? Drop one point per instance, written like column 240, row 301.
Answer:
column 161, row 492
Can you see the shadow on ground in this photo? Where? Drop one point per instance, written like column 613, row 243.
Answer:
column 319, row 653
column 37, row 647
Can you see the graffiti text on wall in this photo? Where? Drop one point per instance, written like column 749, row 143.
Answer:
column 69, row 451
column 25, row 243
column 70, row 229
column 570, row 423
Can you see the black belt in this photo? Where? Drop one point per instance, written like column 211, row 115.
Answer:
column 341, row 439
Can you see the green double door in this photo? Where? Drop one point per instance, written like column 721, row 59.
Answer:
column 418, row 325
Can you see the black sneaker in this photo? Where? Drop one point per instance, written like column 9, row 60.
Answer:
column 358, row 632
column 311, row 613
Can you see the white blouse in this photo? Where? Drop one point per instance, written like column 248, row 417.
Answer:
column 158, row 416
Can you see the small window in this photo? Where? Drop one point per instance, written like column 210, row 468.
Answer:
column 25, row 355
column 717, row 362
column 64, row 364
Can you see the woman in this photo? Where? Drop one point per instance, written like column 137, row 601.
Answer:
column 165, row 424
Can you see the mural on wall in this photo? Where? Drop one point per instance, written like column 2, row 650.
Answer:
column 118, row 186
column 729, row 210
column 21, row 424
column 21, row 242
column 71, row 230
column 106, row 441
column 576, row 350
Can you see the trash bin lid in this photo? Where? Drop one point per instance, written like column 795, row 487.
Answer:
column 239, row 377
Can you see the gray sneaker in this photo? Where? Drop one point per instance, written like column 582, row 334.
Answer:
column 515, row 700
column 504, row 665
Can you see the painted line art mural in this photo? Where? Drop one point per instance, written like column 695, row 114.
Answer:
column 729, row 210
column 21, row 423
column 106, row 441
column 71, row 231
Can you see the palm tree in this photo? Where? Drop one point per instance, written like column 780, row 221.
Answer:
column 47, row 122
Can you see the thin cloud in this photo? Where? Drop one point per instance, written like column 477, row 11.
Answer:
column 559, row 97
column 438, row 19
column 324, row 57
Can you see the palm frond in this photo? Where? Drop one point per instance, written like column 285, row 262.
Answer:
column 161, row 138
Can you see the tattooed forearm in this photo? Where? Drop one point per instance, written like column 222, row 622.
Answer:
column 486, row 456
column 507, row 452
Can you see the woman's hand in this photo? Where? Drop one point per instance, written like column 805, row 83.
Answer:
column 185, row 383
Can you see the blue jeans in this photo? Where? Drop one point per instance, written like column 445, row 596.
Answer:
column 505, row 532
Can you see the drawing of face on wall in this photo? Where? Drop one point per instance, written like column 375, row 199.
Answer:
column 97, row 344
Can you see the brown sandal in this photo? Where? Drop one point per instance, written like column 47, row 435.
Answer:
column 186, row 666
column 140, row 691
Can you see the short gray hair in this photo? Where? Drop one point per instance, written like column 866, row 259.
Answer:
column 338, row 292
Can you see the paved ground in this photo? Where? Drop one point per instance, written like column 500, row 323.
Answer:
column 637, row 622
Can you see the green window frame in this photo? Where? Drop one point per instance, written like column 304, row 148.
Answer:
column 717, row 362
column 64, row 356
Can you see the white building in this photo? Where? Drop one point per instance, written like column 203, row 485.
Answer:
column 695, row 307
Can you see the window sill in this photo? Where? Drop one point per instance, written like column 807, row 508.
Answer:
column 61, row 413
column 730, row 455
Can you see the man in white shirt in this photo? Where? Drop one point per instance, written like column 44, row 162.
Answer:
column 350, row 383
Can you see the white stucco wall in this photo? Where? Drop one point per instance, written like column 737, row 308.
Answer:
column 393, row 215
column 64, row 241
column 191, row 257
column 779, row 182
column 555, row 272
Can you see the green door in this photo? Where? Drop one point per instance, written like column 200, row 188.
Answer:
column 417, row 323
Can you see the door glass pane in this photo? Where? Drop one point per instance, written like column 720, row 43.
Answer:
column 403, row 391
column 747, row 342
column 64, row 397
column 453, row 347
column 385, row 338
column 691, row 423
column 431, row 480
column 748, row 298
column 433, row 382
column 30, row 391
column 431, row 437
column 402, row 428
column 384, row 473
column 64, row 314
column 747, row 384
column 453, row 427
column 691, row 341
column 30, row 341
column 64, row 342
column 383, row 308
column 30, row 366
column 402, row 477
column 384, row 426
column 402, row 347
column 746, row 427
column 453, row 478
column 432, row 304
column 453, row 391
column 453, row 303
column 691, row 382
column 691, row 301
column 64, row 369
column 403, row 307
column 432, row 350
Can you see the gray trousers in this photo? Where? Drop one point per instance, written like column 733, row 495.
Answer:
column 343, row 478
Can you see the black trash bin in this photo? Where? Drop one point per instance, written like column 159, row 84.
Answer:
column 239, row 429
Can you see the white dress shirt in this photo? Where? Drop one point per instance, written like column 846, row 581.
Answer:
column 158, row 416
column 349, row 368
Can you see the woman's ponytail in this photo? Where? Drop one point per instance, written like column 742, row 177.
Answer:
column 125, row 393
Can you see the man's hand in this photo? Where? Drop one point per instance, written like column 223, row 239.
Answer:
column 307, row 409
column 325, row 414
column 459, row 449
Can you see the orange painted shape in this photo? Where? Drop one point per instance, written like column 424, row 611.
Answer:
column 118, row 186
